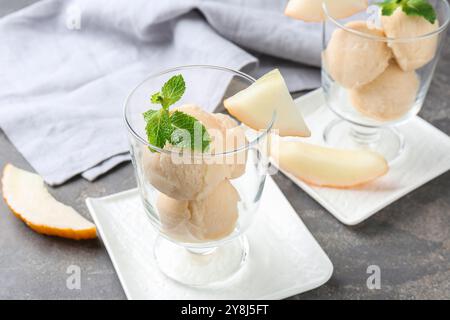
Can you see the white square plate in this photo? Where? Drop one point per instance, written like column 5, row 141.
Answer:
column 427, row 155
column 284, row 258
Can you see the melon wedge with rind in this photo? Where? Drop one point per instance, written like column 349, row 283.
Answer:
column 327, row 167
column 312, row 10
column 27, row 197
column 269, row 96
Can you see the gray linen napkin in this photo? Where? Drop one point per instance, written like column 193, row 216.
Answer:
column 67, row 66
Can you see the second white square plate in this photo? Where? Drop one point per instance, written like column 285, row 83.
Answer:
column 427, row 155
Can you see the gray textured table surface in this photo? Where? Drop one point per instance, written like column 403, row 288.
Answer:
column 409, row 240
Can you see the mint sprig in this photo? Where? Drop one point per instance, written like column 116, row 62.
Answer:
column 178, row 128
column 171, row 92
column 421, row 8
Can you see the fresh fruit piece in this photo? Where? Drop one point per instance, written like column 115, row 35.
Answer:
column 353, row 60
column 389, row 96
column 414, row 54
column 311, row 10
column 327, row 167
column 25, row 194
column 255, row 106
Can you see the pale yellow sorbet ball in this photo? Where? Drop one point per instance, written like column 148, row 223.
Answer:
column 193, row 178
column 211, row 218
column 413, row 54
column 226, row 135
column 182, row 177
column 354, row 60
column 225, row 121
column 389, row 96
column 234, row 139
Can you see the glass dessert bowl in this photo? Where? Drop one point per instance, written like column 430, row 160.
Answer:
column 376, row 71
column 201, row 200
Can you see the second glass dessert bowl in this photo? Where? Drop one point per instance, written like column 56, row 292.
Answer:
column 201, row 203
column 376, row 71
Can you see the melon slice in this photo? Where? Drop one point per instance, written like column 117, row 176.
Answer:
column 25, row 194
column 327, row 167
column 256, row 105
column 311, row 10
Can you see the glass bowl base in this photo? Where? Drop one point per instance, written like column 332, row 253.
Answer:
column 386, row 141
column 200, row 267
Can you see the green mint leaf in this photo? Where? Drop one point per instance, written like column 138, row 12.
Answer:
column 157, row 98
column 171, row 92
column 158, row 128
column 188, row 132
column 173, row 89
column 388, row 7
column 178, row 128
column 420, row 8
column 148, row 114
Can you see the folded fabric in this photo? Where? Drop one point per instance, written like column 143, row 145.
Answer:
column 105, row 166
column 67, row 66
